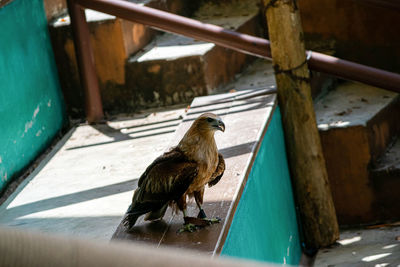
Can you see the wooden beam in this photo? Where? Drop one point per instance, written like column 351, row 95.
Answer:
column 306, row 160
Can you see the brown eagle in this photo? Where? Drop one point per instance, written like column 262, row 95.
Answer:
column 180, row 173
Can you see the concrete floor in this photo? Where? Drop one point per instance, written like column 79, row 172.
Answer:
column 377, row 247
column 98, row 166
column 84, row 186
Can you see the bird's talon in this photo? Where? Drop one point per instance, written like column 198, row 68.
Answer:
column 188, row 227
column 202, row 214
column 213, row 220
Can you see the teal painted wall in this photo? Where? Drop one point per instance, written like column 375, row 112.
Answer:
column 31, row 105
column 264, row 226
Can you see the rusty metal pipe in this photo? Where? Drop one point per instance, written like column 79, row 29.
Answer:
column 181, row 25
column 226, row 38
column 353, row 71
column 85, row 59
column 240, row 42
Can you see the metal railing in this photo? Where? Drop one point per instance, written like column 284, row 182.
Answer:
column 202, row 31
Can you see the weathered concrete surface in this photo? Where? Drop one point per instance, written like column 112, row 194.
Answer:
column 251, row 95
column 174, row 69
column 113, row 41
column 54, row 8
column 363, row 247
column 356, row 123
column 385, row 177
column 360, row 31
column 258, row 75
column 84, row 186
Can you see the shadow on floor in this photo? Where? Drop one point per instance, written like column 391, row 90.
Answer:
column 69, row 199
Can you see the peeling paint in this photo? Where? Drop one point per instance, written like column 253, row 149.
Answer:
column 39, row 133
column 28, row 125
column 4, row 178
column 36, row 112
column 1, row 160
column 49, row 103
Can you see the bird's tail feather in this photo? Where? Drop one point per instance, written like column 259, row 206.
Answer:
column 156, row 215
column 130, row 220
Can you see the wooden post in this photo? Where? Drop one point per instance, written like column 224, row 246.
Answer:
column 307, row 164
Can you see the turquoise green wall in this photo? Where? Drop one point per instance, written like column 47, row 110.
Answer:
column 31, row 105
column 264, row 226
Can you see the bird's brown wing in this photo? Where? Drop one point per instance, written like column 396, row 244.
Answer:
column 174, row 156
column 219, row 171
column 166, row 179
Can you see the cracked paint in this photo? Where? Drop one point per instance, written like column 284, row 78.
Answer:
column 4, row 178
column 36, row 112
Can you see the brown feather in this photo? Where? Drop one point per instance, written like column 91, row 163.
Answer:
column 181, row 172
column 217, row 175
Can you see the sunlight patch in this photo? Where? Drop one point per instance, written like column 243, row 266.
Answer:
column 375, row 257
column 348, row 241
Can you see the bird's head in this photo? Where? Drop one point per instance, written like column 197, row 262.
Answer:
column 210, row 122
column 203, row 128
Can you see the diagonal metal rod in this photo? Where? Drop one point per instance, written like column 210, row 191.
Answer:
column 85, row 60
column 238, row 41
column 181, row 25
column 202, row 31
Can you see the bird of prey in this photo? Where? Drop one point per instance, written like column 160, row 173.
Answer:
column 180, row 173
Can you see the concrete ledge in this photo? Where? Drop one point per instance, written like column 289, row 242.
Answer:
column 174, row 69
column 356, row 123
column 83, row 185
column 113, row 41
column 246, row 114
column 371, row 246
column 385, row 177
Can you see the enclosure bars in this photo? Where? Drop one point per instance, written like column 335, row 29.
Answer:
column 206, row 32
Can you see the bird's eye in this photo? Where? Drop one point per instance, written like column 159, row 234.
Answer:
column 209, row 119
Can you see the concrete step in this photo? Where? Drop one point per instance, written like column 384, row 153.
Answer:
column 173, row 69
column 113, row 41
column 385, row 176
column 356, row 123
column 369, row 246
column 83, row 186
column 320, row 82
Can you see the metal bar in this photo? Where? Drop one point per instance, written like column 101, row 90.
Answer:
column 240, row 42
column 85, row 59
column 177, row 24
column 353, row 71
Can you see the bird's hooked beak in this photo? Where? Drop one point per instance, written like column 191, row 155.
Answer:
column 220, row 125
